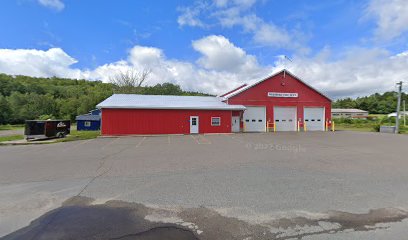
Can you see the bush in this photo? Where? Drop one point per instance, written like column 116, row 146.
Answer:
column 376, row 127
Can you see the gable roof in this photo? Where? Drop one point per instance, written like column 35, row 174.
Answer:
column 285, row 71
column 233, row 90
column 137, row 101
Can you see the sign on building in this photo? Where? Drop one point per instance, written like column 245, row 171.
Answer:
column 283, row 95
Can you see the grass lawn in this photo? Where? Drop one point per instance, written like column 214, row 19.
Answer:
column 353, row 128
column 80, row 135
column 11, row 127
column 11, row 138
column 379, row 116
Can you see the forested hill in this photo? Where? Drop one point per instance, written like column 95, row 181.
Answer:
column 23, row 97
column 375, row 103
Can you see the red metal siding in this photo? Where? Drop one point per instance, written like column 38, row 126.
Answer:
column 258, row 96
column 160, row 121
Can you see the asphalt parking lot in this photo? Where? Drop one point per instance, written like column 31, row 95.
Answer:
column 314, row 185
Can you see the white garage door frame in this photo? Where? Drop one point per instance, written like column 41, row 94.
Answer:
column 311, row 125
column 257, row 128
column 285, row 126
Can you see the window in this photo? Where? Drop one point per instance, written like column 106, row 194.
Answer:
column 215, row 121
column 87, row 123
column 246, row 120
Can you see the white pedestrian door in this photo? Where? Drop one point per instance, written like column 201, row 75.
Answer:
column 254, row 119
column 193, row 124
column 235, row 123
column 314, row 118
column 285, row 118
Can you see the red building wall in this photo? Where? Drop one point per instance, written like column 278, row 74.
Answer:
column 258, row 96
column 161, row 121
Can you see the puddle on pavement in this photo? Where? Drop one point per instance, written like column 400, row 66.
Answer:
column 79, row 218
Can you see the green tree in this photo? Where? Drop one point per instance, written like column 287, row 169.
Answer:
column 5, row 110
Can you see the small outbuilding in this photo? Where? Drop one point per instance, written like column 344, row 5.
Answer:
column 90, row 121
column 348, row 113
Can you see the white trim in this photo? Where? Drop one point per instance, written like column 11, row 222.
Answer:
column 197, row 124
column 219, row 122
column 273, row 75
column 229, row 107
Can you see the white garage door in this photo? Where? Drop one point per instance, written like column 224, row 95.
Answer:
column 314, row 118
column 254, row 118
column 285, row 118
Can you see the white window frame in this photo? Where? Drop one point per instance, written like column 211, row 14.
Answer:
column 87, row 123
column 219, row 121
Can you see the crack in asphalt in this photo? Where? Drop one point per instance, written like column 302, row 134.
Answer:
column 103, row 161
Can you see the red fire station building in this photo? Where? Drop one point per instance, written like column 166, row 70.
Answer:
column 282, row 102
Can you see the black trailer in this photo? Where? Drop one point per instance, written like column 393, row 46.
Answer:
column 43, row 129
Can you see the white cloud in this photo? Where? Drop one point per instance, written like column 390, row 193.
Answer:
column 211, row 74
column 238, row 13
column 54, row 4
column 359, row 72
column 391, row 16
column 219, row 54
column 271, row 34
column 223, row 66
column 38, row 63
column 147, row 56
column 190, row 16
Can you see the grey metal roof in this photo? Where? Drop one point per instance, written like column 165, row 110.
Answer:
column 137, row 101
column 239, row 90
column 88, row 117
column 347, row 110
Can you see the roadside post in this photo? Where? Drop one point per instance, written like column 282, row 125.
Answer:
column 405, row 112
column 398, row 107
column 304, row 126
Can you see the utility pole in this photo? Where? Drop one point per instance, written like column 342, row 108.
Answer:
column 398, row 107
column 405, row 112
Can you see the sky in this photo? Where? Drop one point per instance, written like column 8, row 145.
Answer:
column 344, row 48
